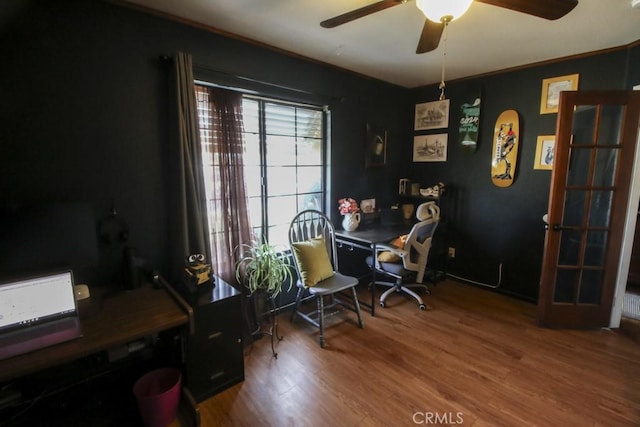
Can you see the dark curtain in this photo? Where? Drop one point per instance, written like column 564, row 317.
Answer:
column 212, row 206
column 222, row 136
column 192, row 225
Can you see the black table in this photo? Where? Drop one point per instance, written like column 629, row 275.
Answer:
column 368, row 238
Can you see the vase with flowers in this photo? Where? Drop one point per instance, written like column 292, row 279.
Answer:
column 350, row 210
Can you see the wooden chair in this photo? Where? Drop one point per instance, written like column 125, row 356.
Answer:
column 313, row 244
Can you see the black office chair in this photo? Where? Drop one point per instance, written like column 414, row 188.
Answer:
column 406, row 264
column 312, row 240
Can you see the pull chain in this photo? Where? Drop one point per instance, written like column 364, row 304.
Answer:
column 444, row 58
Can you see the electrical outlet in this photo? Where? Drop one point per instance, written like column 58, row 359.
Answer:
column 452, row 252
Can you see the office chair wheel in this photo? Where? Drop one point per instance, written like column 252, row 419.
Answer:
column 427, row 292
column 423, row 307
column 382, row 304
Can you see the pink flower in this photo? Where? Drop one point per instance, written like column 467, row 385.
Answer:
column 347, row 206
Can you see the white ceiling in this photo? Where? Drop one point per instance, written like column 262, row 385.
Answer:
column 487, row 38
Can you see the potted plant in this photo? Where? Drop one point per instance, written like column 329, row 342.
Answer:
column 263, row 270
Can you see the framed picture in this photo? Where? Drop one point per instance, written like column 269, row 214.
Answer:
column 368, row 205
column 430, row 148
column 544, row 152
column 551, row 89
column 432, row 115
column 376, row 147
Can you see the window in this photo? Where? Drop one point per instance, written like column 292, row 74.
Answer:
column 284, row 162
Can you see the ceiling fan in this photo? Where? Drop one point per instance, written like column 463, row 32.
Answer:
column 432, row 31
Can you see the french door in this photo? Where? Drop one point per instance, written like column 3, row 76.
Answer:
column 596, row 136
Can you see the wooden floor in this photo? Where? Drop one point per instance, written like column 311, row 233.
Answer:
column 474, row 358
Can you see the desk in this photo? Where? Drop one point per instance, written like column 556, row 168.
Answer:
column 117, row 320
column 110, row 320
column 368, row 238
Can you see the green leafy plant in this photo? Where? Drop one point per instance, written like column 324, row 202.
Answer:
column 263, row 267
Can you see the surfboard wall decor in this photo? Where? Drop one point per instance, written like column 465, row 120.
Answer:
column 506, row 142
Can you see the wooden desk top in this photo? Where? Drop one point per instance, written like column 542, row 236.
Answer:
column 115, row 320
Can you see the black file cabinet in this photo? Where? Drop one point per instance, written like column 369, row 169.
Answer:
column 214, row 354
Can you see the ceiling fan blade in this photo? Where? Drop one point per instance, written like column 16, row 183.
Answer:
column 547, row 9
column 430, row 37
column 359, row 13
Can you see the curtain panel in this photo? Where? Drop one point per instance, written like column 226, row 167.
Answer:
column 192, row 225
column 222, row 138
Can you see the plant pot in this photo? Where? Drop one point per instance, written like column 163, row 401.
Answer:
column 259, row 307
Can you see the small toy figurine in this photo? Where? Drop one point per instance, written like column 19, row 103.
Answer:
column 198, row 272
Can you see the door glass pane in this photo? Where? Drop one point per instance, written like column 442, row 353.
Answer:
column 579, row 166
column 565, row 285
column 569, row 247
column 610, row 125
column 584, row 121
column 605, row 167
column 600, row 208
column 591, row 287
column 596, row 245
column 574, row 206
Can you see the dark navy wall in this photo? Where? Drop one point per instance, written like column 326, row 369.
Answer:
column 85, row 116
column 85, row 113
column 486, row 224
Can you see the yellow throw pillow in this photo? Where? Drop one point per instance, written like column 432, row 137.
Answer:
column 313, row 260
column 388, row 256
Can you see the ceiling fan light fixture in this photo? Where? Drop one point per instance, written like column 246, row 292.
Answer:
column 443, row 10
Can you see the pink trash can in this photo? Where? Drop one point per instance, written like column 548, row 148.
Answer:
column 158, row 396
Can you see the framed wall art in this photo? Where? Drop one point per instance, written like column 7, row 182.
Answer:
column 544, row 152
column 430, row 148
column 551, row 89
column 376, row 147
column 368, row 205
column 432, row 115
